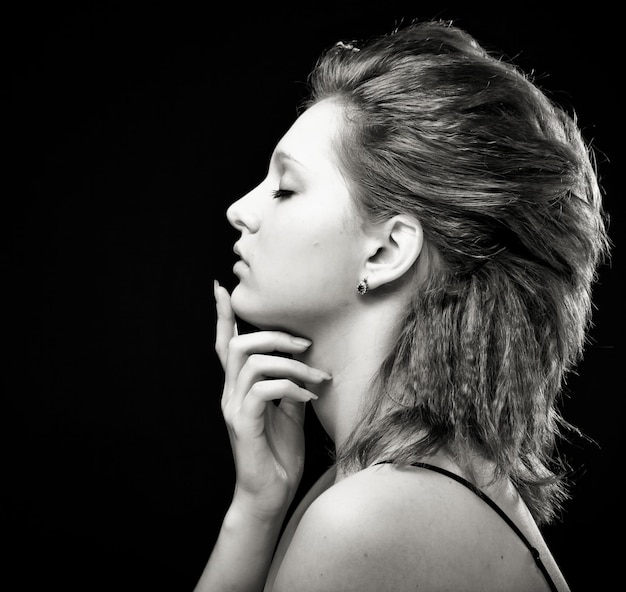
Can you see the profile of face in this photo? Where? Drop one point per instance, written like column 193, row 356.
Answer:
column 301, row 244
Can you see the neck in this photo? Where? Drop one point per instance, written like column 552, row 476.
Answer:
column 351, row 350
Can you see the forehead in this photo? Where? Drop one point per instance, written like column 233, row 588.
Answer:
column 311, row 138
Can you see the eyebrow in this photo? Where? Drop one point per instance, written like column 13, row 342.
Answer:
column 281, row 154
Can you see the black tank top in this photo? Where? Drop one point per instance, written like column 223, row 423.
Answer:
column 533, row 551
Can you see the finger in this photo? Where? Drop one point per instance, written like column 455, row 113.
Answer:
column 262, row 342
column 262, row 393
column 226, row 327
column 293, row 409
column 259, row 367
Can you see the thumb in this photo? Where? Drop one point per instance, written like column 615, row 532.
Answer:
column 226, row 327
column 293, row 409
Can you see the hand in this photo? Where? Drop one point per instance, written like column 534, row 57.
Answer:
column 267, row 439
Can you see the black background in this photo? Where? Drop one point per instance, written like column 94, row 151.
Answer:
column 130, row 127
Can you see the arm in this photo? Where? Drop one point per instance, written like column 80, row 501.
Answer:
column 243, row 552
column 268, row 447
column 387, row 529
column 348, row 539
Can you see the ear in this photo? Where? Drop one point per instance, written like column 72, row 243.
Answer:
column 396, row 244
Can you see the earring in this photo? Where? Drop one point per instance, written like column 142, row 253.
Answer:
column 363, row 287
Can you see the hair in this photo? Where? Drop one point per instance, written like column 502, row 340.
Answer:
column 506, row 191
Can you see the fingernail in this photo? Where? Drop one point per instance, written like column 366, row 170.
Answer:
column 323, row 374
column 301, row 341
column 215, row 287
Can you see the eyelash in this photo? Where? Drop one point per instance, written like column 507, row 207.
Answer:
column 281, row 193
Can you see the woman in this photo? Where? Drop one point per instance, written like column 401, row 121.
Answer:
column 418, row 262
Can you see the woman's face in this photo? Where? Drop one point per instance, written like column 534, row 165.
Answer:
column 301, row 244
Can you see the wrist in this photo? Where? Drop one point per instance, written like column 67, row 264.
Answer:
column 248, row 509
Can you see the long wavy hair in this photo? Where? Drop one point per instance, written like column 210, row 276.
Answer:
column 506, row 190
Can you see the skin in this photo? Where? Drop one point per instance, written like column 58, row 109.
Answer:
column 411, row 529
column 303, row 256
column 381, row 528
column 301, row 253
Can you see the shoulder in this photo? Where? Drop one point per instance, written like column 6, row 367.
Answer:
column 390, row 529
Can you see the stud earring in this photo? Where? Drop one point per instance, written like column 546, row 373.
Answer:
column 363, row 287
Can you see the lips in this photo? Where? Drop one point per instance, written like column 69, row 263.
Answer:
column 237, row 251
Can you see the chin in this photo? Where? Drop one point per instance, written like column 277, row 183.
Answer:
column 248, row 310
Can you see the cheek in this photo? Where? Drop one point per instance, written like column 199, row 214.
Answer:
column 306, row 248
column 325, row 267
column 312, row 246
column 301, row 279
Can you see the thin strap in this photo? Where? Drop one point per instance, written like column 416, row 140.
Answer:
column 533, row 550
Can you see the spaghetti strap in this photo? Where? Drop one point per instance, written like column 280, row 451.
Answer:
column 533, row 550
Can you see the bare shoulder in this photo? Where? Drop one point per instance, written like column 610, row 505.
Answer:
column 389, row 529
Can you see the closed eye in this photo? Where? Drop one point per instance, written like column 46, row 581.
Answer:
column 282, row 193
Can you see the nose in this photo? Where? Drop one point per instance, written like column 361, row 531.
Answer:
column 242, row 214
